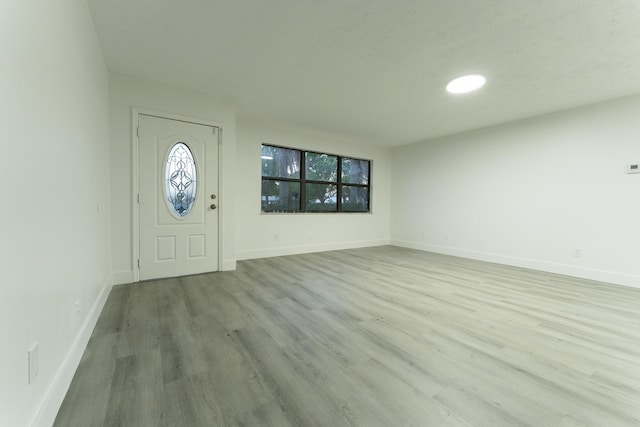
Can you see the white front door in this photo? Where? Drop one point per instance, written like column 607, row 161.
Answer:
column 178, row 189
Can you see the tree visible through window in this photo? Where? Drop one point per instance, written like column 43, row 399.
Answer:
column 306, row 181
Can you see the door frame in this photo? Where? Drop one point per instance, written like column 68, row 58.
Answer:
column 136, row 112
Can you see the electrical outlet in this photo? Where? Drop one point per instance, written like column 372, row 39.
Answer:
column 33, row 362
column 577, row 252
column 275, row 237
column 77, row 308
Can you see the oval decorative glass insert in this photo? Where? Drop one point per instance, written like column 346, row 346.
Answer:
column 180, row 179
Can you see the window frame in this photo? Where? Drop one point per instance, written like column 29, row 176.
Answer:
column 303, row 181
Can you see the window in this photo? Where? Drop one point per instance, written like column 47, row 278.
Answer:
column 180, row 180
column 307, row 181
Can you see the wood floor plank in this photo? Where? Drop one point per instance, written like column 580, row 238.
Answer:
column 367, row 337
column 87, row 398
column 289, row 382
column 191, row 401
column 112, row 316
column 135, row 390
column 265, row 316
column 140, row 321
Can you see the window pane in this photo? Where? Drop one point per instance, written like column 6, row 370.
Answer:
column 180, row 179
column 355, row 171
column 280, row 162
column 321, row 167
column 280, row 196
column 321, row 197
column 355, row 199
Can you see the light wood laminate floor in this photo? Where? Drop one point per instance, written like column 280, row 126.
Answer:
column 370, row 337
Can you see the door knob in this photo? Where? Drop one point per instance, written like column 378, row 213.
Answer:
column 213, row 206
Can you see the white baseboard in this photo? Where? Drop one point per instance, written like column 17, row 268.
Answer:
column 228, row 265
column 53, row 397
column 533, row 264
column 303, row 249
column 122, row 277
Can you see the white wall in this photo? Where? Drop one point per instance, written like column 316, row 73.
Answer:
column 263, row 235
column 529, row 192
column 128, row 92
column 54, row 206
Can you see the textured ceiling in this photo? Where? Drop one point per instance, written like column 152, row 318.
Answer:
column 376, row 69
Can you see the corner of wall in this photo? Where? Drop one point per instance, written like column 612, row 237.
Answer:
column 54, row 396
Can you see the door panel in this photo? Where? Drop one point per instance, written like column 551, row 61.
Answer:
column 177, row 241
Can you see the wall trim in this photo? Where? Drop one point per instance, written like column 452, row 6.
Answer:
column 228, row 265
column 614, row 277
column 50, row 405
column 122, row 277
column 303, row 249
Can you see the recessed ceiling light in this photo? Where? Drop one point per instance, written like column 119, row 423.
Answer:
column 466, row 83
